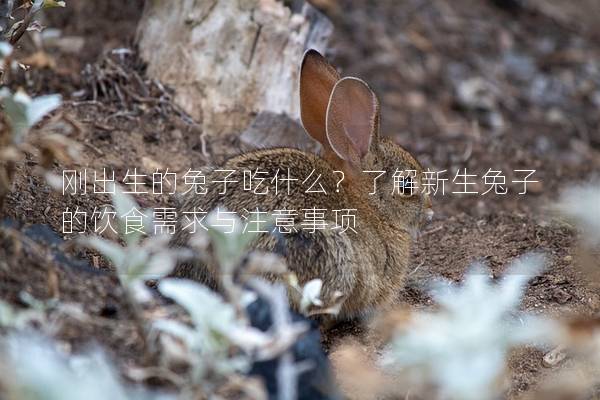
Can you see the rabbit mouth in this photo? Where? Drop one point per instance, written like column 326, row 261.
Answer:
column 415, row 233
column 426, row 217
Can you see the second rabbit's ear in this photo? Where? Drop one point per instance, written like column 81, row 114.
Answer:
column 352, row 119
column 317, row 79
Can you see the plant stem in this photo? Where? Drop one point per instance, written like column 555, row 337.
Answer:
column 141, row 328
column 25, row 24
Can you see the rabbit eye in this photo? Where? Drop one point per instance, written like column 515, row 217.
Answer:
column 407, row 187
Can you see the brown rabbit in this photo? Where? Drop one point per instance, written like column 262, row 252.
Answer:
column 366, row 265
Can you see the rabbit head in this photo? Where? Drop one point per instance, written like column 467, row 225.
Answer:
column 343, row 114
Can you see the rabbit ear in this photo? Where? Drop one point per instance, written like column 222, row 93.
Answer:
column 352, row 119
column 317, row 79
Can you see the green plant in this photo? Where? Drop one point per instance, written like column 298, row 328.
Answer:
column 13, row 318
column 20, row 113
column 218, row 345
column 143, row 256
column 461, row 348
column 32, row 368
column 211, row 340
column 581, row 206
column 13, row 31
column 23, row 112
column 309, row 295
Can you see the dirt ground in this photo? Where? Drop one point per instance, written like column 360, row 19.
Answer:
column 538, row 110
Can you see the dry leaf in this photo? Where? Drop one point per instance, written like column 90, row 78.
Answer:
column 39, row 59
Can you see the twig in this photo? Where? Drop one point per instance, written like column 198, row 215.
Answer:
column 416, row 269
column 433, row 230
column 94, row 149
column 144, row 374
column 203, row 146
column 122, row 114
column 468, row 152
column 142, row 328
column 83, row 103
column 25, row 23
column 6, row 7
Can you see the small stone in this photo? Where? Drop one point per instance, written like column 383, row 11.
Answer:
column 560, row 296
column 554, row 357
column 416, row 100
column 535, row 187
column 152, row 137
column 177, row 135
column 151, row 165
